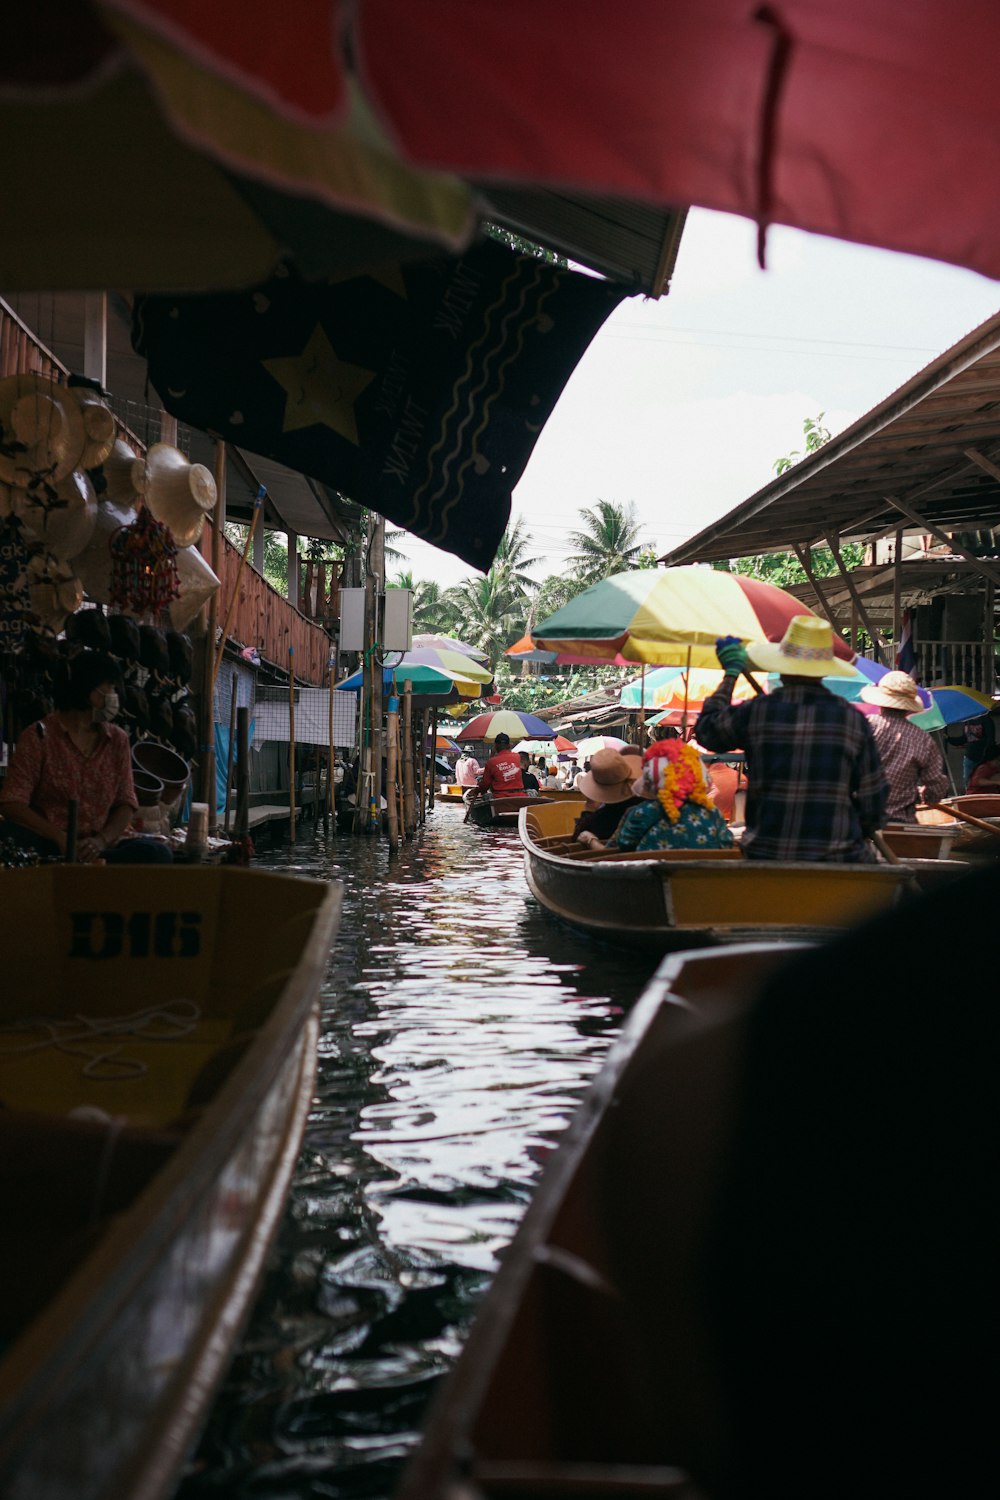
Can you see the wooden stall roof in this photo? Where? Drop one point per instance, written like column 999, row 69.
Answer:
column 933, row 446
column 922, row 579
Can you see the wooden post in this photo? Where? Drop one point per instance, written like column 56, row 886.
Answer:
column 897, row 598
column 434, row 741
column 330, row 803
column 409, row 819
column 291, row 742
column 422, row 765
column 242, row 772
column 391, row 769
column 376, row 562
column 229, row 748
column 213, row 652
column 642, row 707
column 988, row 676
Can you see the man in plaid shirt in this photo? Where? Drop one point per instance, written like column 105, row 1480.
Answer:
column 816, row 789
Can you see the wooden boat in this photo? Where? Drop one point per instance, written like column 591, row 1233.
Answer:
column 972, row 819
column 150, row 1127
column 547, row 1398
column 455, row 793
column 450, row 792
column 503, row 812
column 676, row 899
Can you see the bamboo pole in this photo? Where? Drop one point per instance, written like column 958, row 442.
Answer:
column 291, row 742
column 243, row 773
column 642, row 707
column 434, row 742
column 229, row 749
column 391, row 767
column 213, row 652
column 409, row 818
column 422, row 765
column 331, row 811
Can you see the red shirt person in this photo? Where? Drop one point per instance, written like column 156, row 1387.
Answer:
column 502, row 772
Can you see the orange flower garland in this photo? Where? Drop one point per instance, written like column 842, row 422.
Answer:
column 682, row 779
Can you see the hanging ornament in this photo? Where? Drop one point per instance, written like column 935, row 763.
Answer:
column 143, row 566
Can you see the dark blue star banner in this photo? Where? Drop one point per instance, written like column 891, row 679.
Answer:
column 417, row 390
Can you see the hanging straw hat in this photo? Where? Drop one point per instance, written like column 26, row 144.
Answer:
column 609, row 778
column 177, row 492
column 42, row 426
column 98, row 423
column 805, row 650
column 197, row 585
column 894, row 690
column 63, row 525
column 121, row 468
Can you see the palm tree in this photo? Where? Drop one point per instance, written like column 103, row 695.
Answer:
column 609, row 541
column 511, row 554
column 489, row 611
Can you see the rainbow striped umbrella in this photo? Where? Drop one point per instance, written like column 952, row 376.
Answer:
column 506, row 721
column 670, row 616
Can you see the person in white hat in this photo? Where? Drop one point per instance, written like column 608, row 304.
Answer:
column 911, row 760
column 816, row 789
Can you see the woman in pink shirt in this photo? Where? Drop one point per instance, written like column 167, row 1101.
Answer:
column 77, row 755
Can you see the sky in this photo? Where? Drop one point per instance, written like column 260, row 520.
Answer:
column 680, row 406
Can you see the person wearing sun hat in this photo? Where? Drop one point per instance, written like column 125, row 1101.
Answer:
column 816, row 788
column 912, row 762
column 676, row 810
column 607, row 786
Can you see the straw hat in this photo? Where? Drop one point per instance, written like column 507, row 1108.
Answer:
column 120, row 468
column 176, row 491
column 609, row 778
column 98, row 424
column 65, row 525
column 44, row 423
column 197, row 585
column 805, row 650
column 894, row 690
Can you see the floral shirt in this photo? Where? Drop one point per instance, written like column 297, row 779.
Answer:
column 648, row 827
column 47, row 771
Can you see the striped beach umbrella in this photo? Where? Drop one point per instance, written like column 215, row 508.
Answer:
column 671, row 616
column 508, row 721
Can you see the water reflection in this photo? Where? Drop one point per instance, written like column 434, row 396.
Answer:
column 460, row 1025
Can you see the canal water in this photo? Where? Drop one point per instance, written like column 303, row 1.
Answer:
column 460, row 1026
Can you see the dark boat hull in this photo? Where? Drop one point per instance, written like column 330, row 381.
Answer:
column 104, row 1390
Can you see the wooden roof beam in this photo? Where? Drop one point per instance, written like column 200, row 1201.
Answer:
column 833, row 542
column 989, row 571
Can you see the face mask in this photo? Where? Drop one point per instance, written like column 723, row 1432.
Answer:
column 108, row 709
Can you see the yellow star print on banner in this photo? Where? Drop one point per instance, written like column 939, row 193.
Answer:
column 322, row 388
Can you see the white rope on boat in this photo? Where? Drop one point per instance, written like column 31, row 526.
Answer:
column 169, row 1022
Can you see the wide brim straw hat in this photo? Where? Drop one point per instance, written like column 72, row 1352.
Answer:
column 177, row 492
column 805, row 650
column 43, row 425
column 609, row 778
column 120, row 469
column 98, row 424
column 895, row 690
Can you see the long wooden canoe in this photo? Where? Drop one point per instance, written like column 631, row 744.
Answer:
column 547, row 1397
column 145, row 1155
column 671, row 899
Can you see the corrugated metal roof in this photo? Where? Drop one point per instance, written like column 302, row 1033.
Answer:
column 915, row 447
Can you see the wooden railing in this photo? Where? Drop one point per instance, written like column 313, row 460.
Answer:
column 262, row 618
